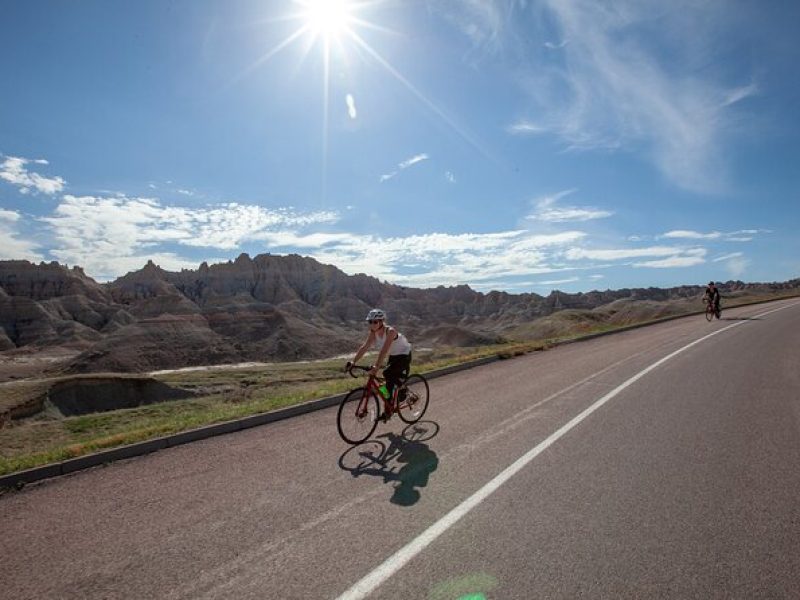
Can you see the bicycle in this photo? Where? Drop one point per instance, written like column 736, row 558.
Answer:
column 712, row 311
column 360, row 410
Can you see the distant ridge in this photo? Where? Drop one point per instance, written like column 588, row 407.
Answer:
column 280, row 308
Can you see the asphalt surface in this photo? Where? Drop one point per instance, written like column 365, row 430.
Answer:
column 641, row 466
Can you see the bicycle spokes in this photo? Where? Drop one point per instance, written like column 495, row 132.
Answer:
column 358, row 416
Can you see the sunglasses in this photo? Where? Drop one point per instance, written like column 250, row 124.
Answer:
column 375, row 321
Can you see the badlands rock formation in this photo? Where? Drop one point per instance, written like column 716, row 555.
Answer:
column 275, row 308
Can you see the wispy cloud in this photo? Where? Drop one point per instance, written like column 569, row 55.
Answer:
column 525, row 127
column 483, row 23
column 413, row 160
column 554, row 46
column 13, row 170
column 13, row 244
column 450, row 176
column 546, row 209
column 671, row 262
column 404, row 165
column 740, row 93
column 559, row 281
column 735, row 263
column 737, row 266
column 621, row 253
column 728, row 256
column 612, row 88
column 742, row 235
column 663, row 256
column 691, row 235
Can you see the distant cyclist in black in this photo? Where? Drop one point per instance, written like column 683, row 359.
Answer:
column 712, row 295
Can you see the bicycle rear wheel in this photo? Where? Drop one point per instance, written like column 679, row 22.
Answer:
column 412, row 398
column 358, row 416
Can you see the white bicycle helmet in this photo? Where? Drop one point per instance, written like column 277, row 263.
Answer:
column 376, row 314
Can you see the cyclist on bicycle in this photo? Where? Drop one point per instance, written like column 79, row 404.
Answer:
column 390, row 344
column 711, row 295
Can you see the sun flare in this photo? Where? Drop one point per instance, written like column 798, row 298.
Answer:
column 329, row 18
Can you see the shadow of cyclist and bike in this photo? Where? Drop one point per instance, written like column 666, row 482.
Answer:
column 403, row 459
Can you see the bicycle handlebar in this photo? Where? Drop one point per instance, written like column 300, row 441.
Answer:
column 359, row 367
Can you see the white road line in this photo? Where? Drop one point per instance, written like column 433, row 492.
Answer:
column 395, row 562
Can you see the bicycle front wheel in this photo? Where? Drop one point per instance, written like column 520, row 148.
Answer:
column 412, row 398
column 709, row 313
column 358, row 416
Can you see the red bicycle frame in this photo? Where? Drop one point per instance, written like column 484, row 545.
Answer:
column 389, row 404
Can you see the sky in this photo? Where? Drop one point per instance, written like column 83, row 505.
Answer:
column 512, row 145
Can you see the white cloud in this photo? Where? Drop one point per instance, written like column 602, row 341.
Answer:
column 740, row 93
column 9, row 215
column 105, row 235
column 728, row 256
column 525, row 127
column 450, row 176
column 413, row 160
column 404, row 165
column 448, row 259
column 672, row 262
column 290, row 239
column 13, row 245
column 13, row 170
column 620, row 254
column 692, row 235
column 665, row 256
column 553, row 46
column 559, row 281
column 743, row 235
column 737, row 266
column 735, row 263
column 546, row 210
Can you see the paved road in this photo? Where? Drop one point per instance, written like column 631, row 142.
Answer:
column 634, row 465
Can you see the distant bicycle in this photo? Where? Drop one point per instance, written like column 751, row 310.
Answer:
column 711, row 312
column 360, row 411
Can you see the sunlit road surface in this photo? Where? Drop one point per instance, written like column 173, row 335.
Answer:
column 656, row 463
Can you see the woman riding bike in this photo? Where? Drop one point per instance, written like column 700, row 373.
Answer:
column 389, row 343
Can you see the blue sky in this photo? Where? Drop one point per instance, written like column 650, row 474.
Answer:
column 513, row 145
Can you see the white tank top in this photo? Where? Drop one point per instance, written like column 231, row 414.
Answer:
column 399, row 346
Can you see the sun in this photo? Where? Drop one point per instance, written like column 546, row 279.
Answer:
column 329, row 18
column 335, row 27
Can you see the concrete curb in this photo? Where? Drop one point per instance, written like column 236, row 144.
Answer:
column 20, row 478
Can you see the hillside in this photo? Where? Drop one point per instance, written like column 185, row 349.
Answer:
column 278, row 308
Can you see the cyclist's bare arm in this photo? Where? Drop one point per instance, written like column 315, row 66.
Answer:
column 362, row 350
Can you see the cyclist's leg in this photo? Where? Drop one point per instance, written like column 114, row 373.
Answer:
column 396, row 371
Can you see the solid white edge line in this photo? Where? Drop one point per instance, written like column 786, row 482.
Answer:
column 395, row 562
